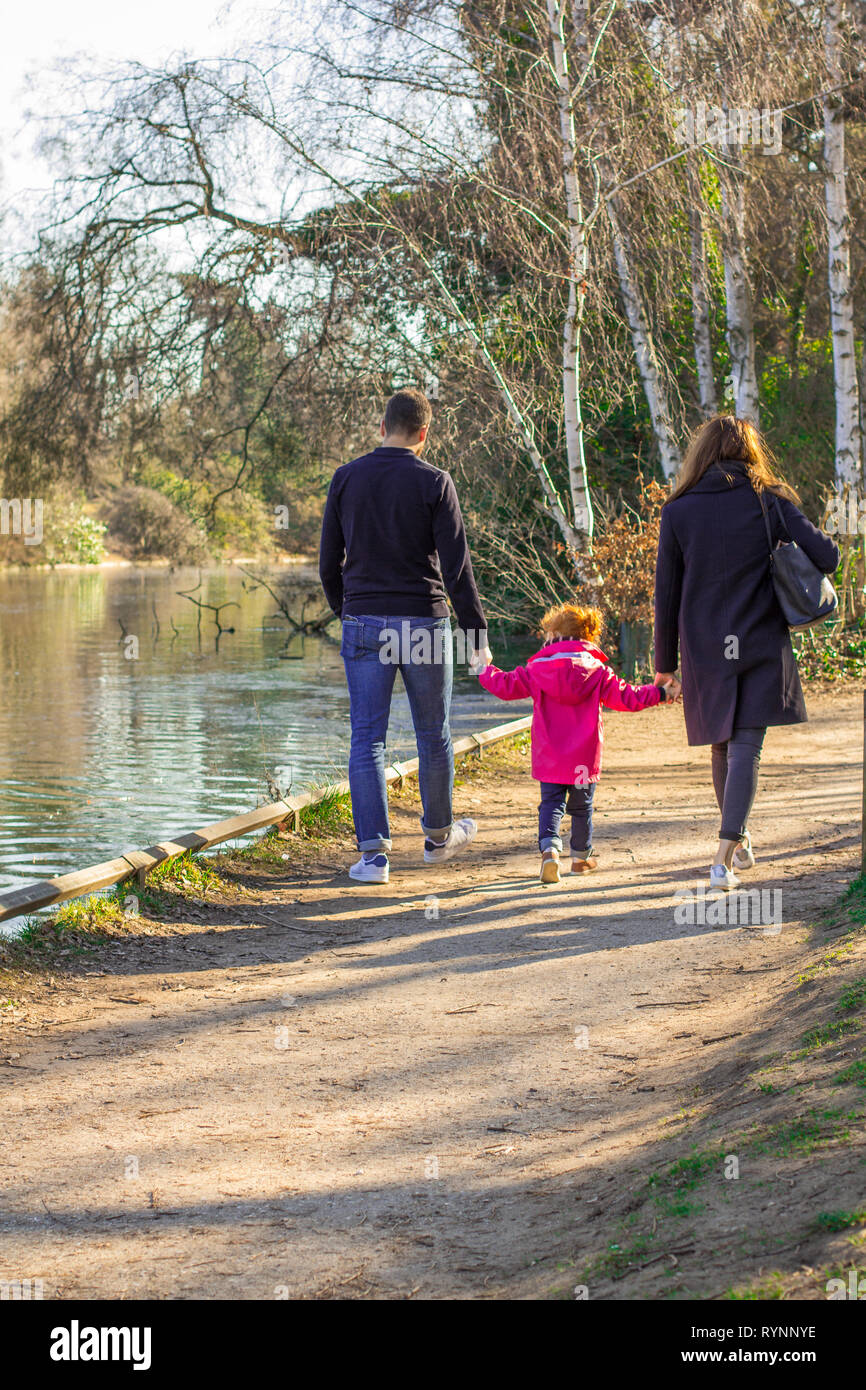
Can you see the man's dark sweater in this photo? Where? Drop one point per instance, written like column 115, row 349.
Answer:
column 393, row 542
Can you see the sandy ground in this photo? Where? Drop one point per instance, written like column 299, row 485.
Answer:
column 463, row 1084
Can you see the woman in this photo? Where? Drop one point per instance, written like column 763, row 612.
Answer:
column 715, row 600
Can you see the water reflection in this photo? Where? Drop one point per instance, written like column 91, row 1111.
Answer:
column 107, row 744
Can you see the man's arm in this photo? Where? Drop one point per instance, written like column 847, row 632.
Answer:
column 332, row 550
column 449, row 533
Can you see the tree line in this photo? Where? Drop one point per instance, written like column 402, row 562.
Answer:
column 582, row 225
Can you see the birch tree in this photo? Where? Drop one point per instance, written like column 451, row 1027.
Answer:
column 703, row 347
column 578, row 252
column 848, row 442
column 646, row 357
column 739, row 312
column 644, row 345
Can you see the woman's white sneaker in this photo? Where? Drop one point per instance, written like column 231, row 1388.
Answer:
column 370, row 869
column 743, row 856
column 722, row 879
column 459, row 836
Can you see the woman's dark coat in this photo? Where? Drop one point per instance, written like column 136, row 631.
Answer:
column 714, row 598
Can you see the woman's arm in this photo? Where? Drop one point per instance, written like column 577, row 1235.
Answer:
column 669, row 587
column 821, row 549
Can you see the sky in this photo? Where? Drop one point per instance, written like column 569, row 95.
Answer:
column 39, row 33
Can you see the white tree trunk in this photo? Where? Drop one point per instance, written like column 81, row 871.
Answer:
column 848, row 446
column 573, row 539
column 577, row 271
column 738, row 291
column 644, row 347
column 700, row 299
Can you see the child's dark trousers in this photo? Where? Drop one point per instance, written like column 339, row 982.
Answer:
column 559, row 799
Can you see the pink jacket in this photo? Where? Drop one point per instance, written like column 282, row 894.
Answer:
column 569, row 682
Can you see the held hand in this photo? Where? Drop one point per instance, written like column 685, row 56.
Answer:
column 673, row 689
column 479, row 659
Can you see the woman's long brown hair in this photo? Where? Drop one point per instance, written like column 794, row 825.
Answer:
column 728, row 437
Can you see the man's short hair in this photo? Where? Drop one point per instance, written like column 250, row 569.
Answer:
column 407, row 412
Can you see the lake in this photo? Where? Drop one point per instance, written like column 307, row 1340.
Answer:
column 124, row 721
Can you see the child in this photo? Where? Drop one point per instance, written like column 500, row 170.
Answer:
column 569, row 680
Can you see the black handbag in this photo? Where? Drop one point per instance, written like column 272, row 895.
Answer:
column 805, row 595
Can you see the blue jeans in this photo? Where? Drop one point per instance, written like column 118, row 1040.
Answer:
column 556, row 799
column 423, row 653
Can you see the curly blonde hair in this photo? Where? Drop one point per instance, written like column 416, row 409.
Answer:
column 570, row 622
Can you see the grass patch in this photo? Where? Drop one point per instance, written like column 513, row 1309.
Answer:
column 771, row 1287
column 854, row 997
column 77, row 927
column 329, row 818
column 820, row 1037
column 840, row 1220
column 686, row 1173
column 854, row 1075
column 618, row 1259
column 854, row 901
column 804, row 1135
column 269, row 848
column 187, row 874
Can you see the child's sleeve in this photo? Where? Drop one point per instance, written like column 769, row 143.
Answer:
column 618, row 694
column 507, row 685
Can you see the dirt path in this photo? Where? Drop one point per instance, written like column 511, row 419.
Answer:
column 463, row 1084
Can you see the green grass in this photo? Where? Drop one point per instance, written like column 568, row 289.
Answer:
column 829, row 1033
column 854, row 997
column 75, row 928
column 853, row 1075
column 88, row 914
column 771, row 1287
column 328, row 818
column 803, row 1135
column 840, row 1220
column 269, row 848
column 686, row 1173
column 188, row 874
column 854, row 902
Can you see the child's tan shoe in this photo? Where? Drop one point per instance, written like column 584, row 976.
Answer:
column 583, row 866
column 550, row 866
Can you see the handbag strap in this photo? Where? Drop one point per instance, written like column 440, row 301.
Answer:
column 766, row 521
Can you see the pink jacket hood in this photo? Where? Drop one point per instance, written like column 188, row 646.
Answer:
column 569, row 684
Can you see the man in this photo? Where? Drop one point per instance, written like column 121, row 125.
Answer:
column 393, row 544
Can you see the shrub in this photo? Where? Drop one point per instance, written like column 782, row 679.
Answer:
column 625, row 554
column 70, row 535
column 146, row 524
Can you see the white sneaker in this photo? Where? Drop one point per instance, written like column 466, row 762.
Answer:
column 743, row 857
column 370, row 871
column 459, row 836
column 722, row 879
